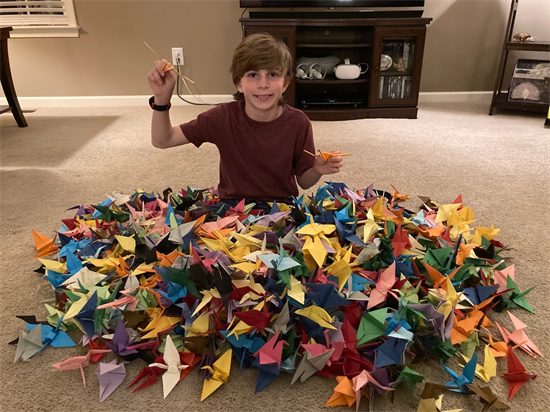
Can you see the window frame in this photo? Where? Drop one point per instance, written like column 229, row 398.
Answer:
column 56, row 26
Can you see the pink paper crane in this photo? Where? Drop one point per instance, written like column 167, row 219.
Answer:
column 385, row 282
column 78, row 362
column 519, row 337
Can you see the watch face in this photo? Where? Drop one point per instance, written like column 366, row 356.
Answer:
column 385, row 62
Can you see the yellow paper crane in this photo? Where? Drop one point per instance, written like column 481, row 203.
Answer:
column 220, row 374
column 489, row 368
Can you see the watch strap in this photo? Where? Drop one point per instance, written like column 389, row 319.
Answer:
column 158, row 107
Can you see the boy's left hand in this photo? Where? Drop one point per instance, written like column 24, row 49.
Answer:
column 330, row 166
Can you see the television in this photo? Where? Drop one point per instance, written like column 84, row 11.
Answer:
column 331, row 3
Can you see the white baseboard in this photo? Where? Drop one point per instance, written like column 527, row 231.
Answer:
column 455, row 97
column 110, row 101
column 118, row 101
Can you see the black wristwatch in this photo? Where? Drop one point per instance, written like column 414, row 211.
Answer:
column 157, row 107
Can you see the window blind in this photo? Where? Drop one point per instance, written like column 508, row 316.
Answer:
column 32, row 16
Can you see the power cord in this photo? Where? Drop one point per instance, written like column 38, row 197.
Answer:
column 190, row 92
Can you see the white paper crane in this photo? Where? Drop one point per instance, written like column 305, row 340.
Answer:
column 173, row 366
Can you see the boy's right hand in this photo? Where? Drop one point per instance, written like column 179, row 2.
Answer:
column 162, row 83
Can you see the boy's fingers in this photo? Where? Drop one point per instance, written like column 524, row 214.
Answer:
column 154, row 76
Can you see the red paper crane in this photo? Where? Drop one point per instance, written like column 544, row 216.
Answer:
column 517, row 375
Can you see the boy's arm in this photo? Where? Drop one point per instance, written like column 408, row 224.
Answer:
column 163, row 135
column 321, row 167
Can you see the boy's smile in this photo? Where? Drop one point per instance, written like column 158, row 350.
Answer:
column 262, row 90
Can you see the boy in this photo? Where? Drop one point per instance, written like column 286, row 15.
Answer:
column 261, row 140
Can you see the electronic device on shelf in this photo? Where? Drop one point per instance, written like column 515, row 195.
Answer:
column 331, row 102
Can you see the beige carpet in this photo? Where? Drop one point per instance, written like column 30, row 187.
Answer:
column 72, row 156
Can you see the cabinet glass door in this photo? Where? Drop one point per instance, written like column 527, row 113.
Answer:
column 396, row 69
column 396, row 76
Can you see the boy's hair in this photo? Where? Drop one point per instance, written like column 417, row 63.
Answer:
column 260, row 51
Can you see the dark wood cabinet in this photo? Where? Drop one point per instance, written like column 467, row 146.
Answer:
column 385, row 90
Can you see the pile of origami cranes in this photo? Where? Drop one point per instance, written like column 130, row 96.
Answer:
column 344, row 284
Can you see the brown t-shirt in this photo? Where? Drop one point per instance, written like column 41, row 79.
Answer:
column 258, row 160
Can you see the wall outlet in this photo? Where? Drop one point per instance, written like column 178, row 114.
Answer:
column 177, row 53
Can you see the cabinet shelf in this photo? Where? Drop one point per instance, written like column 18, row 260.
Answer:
column 543, row 46
column 501, row 101
column 393, row 72
column 332, row 80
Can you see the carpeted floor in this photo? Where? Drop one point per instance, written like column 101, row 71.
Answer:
column 66, row 157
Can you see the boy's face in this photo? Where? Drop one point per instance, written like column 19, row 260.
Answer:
column 262, row 90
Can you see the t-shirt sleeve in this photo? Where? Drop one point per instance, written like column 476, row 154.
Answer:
column 203, row 128
column 303, row 160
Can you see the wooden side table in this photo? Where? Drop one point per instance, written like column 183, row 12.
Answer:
column 7, row 82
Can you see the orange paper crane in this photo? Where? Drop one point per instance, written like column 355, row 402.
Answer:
column 326, row 156
column 498, row 349
column 43, row 244
column 343, row 392
column 517, row 375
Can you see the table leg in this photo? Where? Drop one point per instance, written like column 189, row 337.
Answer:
column 9, row 88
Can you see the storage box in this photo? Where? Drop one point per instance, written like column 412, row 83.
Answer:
column 530, row 82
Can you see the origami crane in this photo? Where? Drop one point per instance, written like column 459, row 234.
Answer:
column 411, row 377
column 219, row 374
column 341, row 269
column 28, row 345
column 487, row 397
column 360, row 381
column 498, row 349
column 314, row 359
column 384, row 285
column 52, row 336
column 516, row 298
column 390, row 352
column 326, row 156
column 268, row 361
column 279, row 262
column 517, row 376
column 172, row 365
column 400, row 241
column 343, row 393
column 519, row 337
column 431, row 400
column 78, row 362
column 489, row 368
column 121, row 341
column 372, row 326
column 110, row 376
column 44, row 245
column 466, row 377
column 151, row 373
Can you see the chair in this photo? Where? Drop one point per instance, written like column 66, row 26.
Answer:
column 7, row 82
